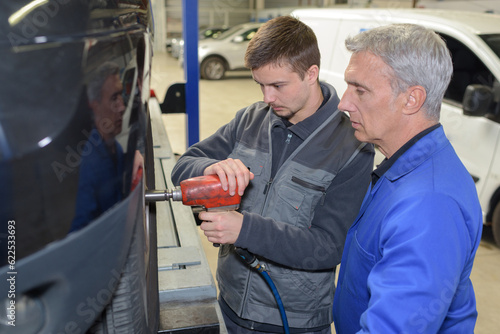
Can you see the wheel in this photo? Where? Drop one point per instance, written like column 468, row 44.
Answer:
column 213, row 68
column 134, row 307
column 496, row 224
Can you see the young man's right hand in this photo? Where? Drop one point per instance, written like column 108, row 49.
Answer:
column 232, row 173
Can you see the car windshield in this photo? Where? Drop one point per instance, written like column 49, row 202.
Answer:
column 493, row 41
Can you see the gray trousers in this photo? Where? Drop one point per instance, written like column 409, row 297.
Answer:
column 234, row 328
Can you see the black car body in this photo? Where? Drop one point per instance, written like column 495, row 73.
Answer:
column 57, row 276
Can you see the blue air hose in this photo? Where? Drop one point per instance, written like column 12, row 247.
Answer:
column 252, row 261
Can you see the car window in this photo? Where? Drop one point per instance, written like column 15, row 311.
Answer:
column 248, row 35
column 468, row 69
column 229, row 32
column 115, row 142
column 56, row 172
column 212, row 33
column 493, row 41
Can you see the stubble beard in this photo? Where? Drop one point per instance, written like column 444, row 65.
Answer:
column 283, row 113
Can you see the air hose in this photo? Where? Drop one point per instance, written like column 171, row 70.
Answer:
column 252, row 261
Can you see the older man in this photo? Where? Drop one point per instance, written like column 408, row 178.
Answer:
column 100, row 183
column 409, row 254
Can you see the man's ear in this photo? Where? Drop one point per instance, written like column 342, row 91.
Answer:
column 416, row 96
column 312, row 74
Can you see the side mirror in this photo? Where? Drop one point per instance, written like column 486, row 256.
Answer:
column 477, row 100
column 238, row 39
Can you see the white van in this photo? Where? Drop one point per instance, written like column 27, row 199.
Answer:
column 470, row 111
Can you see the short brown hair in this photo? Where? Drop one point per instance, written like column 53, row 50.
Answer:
column 281, row 41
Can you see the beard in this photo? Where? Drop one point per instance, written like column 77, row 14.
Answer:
column 283, row 112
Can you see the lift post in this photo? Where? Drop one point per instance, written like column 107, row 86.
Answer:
column 191, row 69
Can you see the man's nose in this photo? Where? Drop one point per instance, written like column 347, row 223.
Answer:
column 120, row 107
column 344, row 102
column 269, row 96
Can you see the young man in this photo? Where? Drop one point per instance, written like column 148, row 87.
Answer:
column 409, row 254
column 302, row 175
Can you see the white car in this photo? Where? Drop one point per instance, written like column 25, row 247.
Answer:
column 177, row 45
column 227, row 52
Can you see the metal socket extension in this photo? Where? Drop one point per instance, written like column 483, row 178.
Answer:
column 163, row 195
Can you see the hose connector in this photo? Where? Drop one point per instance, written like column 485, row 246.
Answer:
column 248, row 257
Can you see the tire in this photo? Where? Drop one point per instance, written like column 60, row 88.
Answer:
column 496, row 224
column 133, row 308
column 213, row 68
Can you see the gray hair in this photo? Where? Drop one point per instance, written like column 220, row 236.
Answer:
column 94, row 86
column 416, row 55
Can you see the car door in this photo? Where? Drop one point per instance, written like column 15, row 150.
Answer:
column 474, row 138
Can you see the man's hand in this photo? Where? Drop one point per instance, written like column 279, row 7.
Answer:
column 137, row 169
column 221, row 227
column 232, row 173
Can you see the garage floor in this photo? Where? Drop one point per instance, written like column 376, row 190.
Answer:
column 219, row 101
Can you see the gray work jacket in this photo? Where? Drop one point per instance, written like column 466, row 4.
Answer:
column 285, row 211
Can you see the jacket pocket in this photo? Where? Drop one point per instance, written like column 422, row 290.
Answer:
column 256, row 165
column 289, row 204
column 307, row 184
column 302, row 291
column 254, row 189
column 312, row 186
column 357, row 269
column 296, row 201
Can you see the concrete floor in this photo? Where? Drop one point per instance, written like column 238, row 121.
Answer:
column 220, row 100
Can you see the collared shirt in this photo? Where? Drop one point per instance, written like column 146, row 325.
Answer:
column 288, row 136
column 386, row 164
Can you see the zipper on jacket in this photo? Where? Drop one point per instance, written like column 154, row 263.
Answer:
column 268, row 184
column 308, row 185
column 283, row 152
column 312, row 186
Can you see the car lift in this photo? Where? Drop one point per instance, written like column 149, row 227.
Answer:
column 187, row 292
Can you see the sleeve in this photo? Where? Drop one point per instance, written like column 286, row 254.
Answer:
column 425, row 247
column 321, row 245
column 199, row 156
